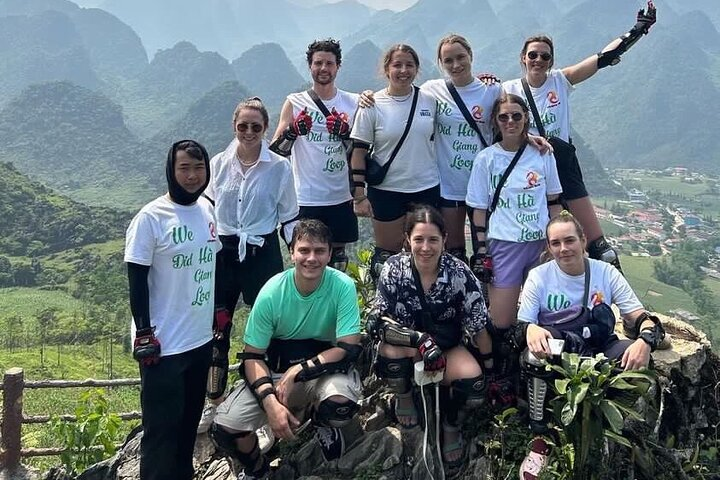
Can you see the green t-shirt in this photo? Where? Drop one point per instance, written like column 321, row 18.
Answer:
column 330, row 312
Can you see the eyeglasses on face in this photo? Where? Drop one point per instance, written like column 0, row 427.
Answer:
column 255, row 127
column 505, row 117
column 544, row 55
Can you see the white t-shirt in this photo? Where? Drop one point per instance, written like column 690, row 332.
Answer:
column 549, row 289
column 179, row 243
column 552, row 103
column 414, row 168
column 319, row 159
column 253, row 202
column 521, row 214
column 456, row 142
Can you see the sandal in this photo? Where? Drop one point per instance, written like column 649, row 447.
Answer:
column 452, row 467
column 408, row 412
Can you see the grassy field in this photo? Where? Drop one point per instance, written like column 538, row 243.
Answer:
column 653, row 294
column 26, row 302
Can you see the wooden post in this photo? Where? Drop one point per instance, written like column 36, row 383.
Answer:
column 12, row 418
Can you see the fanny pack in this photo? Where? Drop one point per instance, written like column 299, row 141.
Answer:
column 283, row 354
column 600, row 320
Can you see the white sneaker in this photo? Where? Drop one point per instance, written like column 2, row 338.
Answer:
column 208, row 415
column 266, row 438
column 535, row 460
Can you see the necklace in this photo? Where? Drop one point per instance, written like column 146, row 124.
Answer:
column 247, row 164
column 398, row 98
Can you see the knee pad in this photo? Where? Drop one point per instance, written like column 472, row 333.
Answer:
column 469, row 392
column 459, row 253
column 224, row 442
column 396, row 372
column 339, row 259
column 379, row 257
column 600, row 249
column 218, row 374
column 330, row 413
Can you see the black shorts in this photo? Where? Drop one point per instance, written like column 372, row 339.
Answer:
column 388, row 206
column 568, row 168
column 340, row 219
column 233, row 277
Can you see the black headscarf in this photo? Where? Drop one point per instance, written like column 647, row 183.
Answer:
column 177, row 192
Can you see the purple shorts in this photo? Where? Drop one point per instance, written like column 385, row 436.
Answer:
column 512, row 261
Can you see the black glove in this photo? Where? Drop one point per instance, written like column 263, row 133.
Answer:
column 146, row 348
column 337, row 125
column 645, row 20
column 481, row 266
column 431, row 354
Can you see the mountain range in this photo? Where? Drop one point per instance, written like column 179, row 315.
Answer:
column 100, row 88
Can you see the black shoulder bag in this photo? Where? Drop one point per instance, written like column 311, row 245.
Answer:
column 374, row 172
column 466, row 113
column 600, row 319
column 564, row 152
column 501, row 184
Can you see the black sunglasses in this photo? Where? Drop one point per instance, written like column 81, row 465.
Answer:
column 505, row 117
column 255, row 127
column 544, row 55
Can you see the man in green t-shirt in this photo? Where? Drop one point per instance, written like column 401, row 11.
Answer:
column 301, row 341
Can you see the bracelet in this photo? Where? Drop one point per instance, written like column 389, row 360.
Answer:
column 359, row 199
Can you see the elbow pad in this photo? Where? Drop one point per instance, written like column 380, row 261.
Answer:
column 283, row 144
column 352, row 353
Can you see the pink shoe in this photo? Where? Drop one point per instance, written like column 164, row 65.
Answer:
column 535, row 459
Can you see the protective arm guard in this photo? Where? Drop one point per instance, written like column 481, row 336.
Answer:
column 318, row 369
column 218, row 374
column 392, row 333
column 260, row 381
column 653, row 335
column 283, row 144
column 642, row 27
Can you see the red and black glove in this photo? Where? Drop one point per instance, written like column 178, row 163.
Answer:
column 481, row 265
column 222, row 323
column 300, row 125
column 645, row 20
column 337, row 125
column 431, row 354
column 146, row 348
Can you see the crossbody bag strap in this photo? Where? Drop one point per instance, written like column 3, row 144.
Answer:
column 501, row 183
column 394, row 153
column 463, row 109
column 533, row 107
column 315, row 98
column 586, row 293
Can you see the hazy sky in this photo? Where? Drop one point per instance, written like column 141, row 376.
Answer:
column 378, row 4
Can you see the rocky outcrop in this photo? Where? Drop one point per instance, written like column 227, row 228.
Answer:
column 688, row 410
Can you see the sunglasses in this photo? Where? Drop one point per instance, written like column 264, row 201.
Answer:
column 544, row 55
column 505, row 117
column 255, row 127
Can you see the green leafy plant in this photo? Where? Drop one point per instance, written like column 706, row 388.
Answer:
column 360, row 273
column 91, row 437
column 593, row 400
column 495, row 447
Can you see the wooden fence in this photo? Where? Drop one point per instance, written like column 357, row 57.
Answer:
column 13, row 386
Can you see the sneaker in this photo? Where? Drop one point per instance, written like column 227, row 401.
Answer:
column 535, row 459
column 266, row 438
column 208, row 415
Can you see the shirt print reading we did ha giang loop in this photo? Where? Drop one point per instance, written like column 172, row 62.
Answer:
column 179, row 244
column 319, row 159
